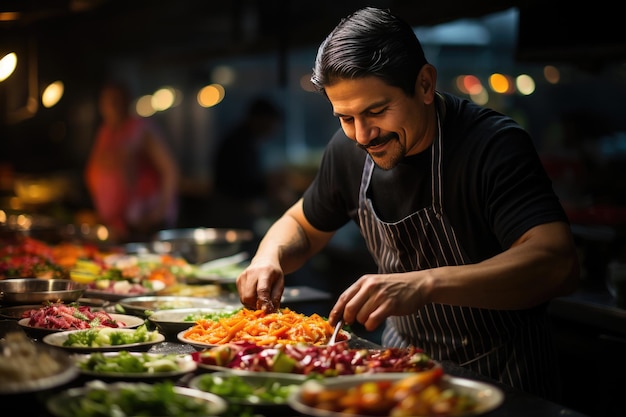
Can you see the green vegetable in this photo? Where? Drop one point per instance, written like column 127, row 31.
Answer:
column 235, row 387
column 158, row 399
column 109, row 337
column 210, row 316
column 126, row 362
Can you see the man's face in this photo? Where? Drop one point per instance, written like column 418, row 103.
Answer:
column 380, row 118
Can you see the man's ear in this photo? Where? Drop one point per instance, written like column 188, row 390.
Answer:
column 426, row 83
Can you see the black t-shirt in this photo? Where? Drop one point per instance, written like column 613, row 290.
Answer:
column 494, row 185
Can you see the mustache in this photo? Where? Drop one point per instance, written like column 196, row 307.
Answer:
column 378, row 141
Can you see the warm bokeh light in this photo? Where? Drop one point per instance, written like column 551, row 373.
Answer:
column 472, row 84
column 52, row 94
column 525, row 84
column 143, row 107
column 9, row 16
column 211, row 95
column 552, row 74
column 500, row 83
column 163, row 98
column 7, row 65
column 102, row 233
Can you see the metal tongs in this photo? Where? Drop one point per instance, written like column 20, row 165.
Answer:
column 333, row 338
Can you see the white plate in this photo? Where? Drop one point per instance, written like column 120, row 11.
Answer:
column 200, row 345
column 185, row 364
column 139, row 305
column 488, row 396
column 67, row 403
column 255, row 380
column 57, row 340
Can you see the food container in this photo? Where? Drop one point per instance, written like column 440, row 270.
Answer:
column 199, row 245
column 172, row 322
column 18, row 291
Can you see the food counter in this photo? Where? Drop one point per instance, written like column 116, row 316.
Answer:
column 515, row 403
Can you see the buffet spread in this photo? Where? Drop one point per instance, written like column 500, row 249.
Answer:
column 129, row 344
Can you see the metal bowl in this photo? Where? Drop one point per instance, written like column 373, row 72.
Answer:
column 17, row 291
column 199, row 245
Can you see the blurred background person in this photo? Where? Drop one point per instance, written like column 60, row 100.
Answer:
column 242, row 186
column 131, row 175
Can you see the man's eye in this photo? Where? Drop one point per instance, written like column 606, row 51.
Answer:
column 346, row 119
column 376, row 113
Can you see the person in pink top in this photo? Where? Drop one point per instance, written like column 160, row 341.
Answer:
column 131, row 175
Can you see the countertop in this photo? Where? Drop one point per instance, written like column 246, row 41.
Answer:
column 516, row 403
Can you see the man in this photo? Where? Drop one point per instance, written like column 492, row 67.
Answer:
column 454, row 205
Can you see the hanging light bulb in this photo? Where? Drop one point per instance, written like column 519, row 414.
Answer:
column 52, row 94
column 7, row 65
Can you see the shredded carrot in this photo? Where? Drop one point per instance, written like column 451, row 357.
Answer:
column 282, row 327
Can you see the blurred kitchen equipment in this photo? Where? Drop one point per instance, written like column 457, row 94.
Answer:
column 15, row 291
column 200, row 245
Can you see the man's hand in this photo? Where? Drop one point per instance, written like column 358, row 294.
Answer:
column 374, row 297
column 261, row 286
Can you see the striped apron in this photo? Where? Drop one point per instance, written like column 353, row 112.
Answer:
column 510, row 346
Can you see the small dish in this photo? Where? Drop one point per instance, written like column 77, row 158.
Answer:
column 140, row 398
column 36, row 332
column 487, row 396
column 58, row 340
column 171, row 322
column 157, row 365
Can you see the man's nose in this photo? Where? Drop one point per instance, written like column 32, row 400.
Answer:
column 365, row 132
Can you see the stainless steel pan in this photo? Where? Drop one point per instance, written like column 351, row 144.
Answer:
column 18, row 291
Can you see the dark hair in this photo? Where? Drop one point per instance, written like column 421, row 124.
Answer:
column 370, row 42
